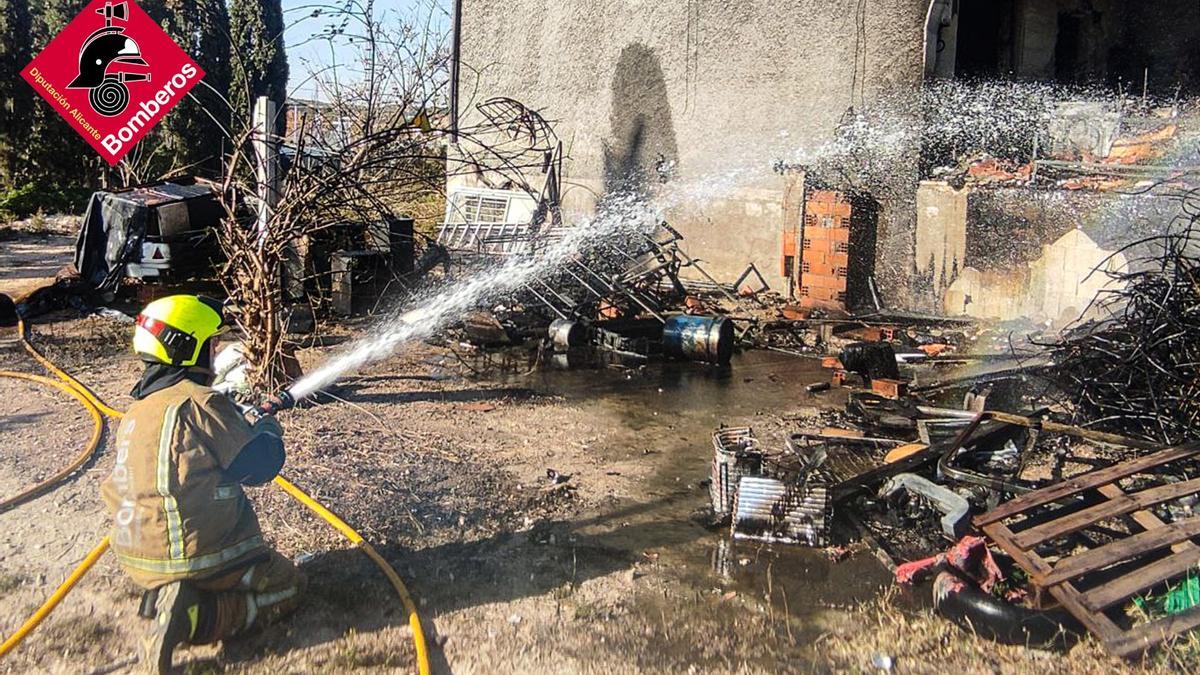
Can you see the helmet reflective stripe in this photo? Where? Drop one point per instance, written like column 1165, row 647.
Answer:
column 173, row 329
column 177, row 344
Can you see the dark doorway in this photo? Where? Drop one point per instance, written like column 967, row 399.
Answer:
column 1082, row 47
column 1123, row 43
column 1067, row 49
column 984, row 27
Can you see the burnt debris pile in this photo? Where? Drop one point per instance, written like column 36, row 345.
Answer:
column 1056, row 514
column 1136, row 369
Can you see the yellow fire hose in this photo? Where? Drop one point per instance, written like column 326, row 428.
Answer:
column 56, row 597
column 95, row 406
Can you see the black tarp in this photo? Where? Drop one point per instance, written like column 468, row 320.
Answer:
column 111, row 236
column 117, row 223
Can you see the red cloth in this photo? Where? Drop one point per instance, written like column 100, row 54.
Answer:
column 969, row 556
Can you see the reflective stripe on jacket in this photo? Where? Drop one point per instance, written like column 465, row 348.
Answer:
column 175, row 512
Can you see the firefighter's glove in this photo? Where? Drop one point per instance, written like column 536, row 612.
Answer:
column 267, row 424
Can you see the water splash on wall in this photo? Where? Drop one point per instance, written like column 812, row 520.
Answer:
column 870, row 149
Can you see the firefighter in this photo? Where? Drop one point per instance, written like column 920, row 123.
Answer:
column 183, row 529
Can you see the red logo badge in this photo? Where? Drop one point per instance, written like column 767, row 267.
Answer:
column 112, row 73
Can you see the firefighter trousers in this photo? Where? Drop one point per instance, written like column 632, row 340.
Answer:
column 248, row 597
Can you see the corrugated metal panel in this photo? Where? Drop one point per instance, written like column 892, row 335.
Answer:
column 736, row 454
column 768, row 509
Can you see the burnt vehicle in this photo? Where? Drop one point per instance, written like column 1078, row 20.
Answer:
column 158, row 232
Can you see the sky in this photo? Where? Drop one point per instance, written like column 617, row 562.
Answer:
column 306, row 55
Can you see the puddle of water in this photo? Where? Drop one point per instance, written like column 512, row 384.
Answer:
column 673, row 408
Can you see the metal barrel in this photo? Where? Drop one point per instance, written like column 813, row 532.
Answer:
column 701, row 338
column 566, row 334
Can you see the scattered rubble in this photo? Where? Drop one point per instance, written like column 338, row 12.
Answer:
column 1045, row 544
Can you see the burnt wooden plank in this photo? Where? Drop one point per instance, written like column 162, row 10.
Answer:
column 1144, row 518
column 1052, row 427
column 1140, row 638
column 1115, row 506
column 917, row 461
column 1096, row 622
column 873, row 477
column 1029, row 560
column 1108, row 594
column 1106, row 555
column 1086, row 481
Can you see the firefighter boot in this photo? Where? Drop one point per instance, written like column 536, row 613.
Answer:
column 176, row 616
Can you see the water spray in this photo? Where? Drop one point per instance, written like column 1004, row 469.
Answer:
column 894, row 127
column 621, row 216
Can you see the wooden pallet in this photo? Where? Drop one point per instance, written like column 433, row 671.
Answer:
column 1072, row 580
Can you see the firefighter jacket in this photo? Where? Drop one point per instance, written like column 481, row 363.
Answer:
column 178, row 513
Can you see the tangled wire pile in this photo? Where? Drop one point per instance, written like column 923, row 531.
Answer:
column 1136, row 371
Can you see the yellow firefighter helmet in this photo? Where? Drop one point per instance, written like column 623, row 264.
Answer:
column 172, row 330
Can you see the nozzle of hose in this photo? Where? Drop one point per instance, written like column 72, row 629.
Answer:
column 281, row 401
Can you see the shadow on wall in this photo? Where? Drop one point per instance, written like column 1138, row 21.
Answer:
column 641, row 145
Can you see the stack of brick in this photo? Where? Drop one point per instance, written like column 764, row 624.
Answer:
column 825, row 251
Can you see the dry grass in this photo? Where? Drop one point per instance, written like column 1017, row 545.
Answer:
column 72, row 344
column 920, row 641
column 81, row 635
column 356, row 652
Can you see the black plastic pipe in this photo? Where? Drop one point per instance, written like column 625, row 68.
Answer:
column 962, row 602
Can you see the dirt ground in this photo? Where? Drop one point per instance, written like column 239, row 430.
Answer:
column 29, row 260
column 446, row 472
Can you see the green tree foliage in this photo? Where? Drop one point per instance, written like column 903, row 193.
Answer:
column 157, row 9
column 57, row 156
column 193, row 129
column 257, row 58
column 16, row 99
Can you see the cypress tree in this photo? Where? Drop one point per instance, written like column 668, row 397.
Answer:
column 16, row 98
column 156, row 9
column 59, row 158
column 257, row 58
column 200, row 28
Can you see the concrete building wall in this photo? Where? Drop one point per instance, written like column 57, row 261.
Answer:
column 941, row 233
column 1034, row 253
column 689, row 90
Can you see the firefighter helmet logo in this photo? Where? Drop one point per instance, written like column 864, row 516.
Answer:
column 112, row 77
column 104, row 52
